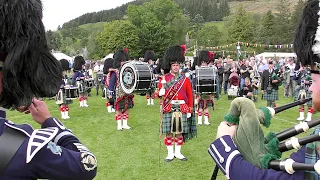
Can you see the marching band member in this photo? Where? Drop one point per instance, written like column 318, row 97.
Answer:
column 205, row 101
column 61, row 98
column 123, row 101
column 149, row 57
column 270, row 85
column 255, row 86
column 98, row 69
column 304, row 82
column 223, row 149
column 29, row 71
column 110, row 91
column 177, row 103
column 78, row 80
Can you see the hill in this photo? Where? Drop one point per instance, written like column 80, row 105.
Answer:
column 260, row 6
column 256, row 6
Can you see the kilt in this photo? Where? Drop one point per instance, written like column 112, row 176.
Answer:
column 125, row 103
column 272, row 96
column 166, row 123
column 255, row 91
column 64, row 99
column 308, row 95
column 208, row 102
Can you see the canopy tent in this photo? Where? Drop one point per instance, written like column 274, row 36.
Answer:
column 276, row 55
column 108, row 56
column 60, row 55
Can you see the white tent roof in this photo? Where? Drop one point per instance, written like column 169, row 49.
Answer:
column 60, row 55
column 276, row 54
column 108, row 56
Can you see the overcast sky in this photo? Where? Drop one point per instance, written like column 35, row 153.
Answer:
column 57, row 12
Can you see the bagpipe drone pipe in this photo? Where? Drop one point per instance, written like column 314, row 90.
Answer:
column 265, row 152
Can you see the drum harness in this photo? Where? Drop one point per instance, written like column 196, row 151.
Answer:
column 10, row 142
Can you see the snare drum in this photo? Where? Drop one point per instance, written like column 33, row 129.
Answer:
column 71, row 92
column 135, row 77
column 206, row 80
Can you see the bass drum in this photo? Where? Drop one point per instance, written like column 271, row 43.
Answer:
column 135, row 77
column 206, row 80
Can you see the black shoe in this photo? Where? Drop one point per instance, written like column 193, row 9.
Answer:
column 183, row 159
column 168, row 160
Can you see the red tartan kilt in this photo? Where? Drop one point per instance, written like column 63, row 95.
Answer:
column 125, row 103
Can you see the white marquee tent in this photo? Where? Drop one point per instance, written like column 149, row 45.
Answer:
column 108, row 56
column 276, row 55
column 60, row 55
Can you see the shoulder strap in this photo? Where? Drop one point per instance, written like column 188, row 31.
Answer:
column 10, row 142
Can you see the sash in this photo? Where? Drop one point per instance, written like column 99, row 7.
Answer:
column 174, row 89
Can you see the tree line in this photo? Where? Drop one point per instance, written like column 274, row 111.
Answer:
column 157, row 24
column 210, row 10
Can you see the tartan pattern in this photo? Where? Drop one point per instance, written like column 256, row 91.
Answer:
column 308, row 95
column 65, row 101
column 83, row 88
column 202, row 102
column 166, row 123
column 312, row 155
column 192, row 127
column 255, row 91
column 172, row 82
column 125, row 103
column 272, row 96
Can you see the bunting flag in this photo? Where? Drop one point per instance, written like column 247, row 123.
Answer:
column 277, row 46
column 236, row 52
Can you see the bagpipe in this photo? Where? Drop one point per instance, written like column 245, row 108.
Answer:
column 265, row 152
column 277, row 75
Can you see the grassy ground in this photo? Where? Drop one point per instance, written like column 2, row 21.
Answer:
column 134, row 154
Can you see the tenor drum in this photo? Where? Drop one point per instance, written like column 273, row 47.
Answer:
column 99, row 78
column 206, row 80
column 135, row 77
column 71, row 92
column 89, row 82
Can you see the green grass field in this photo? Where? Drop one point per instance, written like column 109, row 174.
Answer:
column 134, row 154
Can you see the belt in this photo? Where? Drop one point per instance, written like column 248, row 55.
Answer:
column 177, row 102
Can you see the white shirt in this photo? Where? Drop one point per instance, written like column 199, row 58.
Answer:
column 291, row 67
column 98, row 68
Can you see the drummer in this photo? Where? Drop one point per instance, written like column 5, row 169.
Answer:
column 61, row 98
column 98, row 69
column 205, row 100
column 150, row 58
column 78, row 80
column 123, row 101
column 223, row 150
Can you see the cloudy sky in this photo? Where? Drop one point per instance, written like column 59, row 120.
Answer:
column 57, row 12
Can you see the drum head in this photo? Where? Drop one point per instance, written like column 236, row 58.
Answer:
column 128, row 78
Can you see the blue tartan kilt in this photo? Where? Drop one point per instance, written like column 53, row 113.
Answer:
column 272, row 96
column 201, row 104
column 255, row 91
column 308, row 95
column 166, row 123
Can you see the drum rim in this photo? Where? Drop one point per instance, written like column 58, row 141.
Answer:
column 126, row 90
column 133, row 66
column 214, row 75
